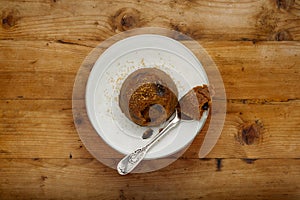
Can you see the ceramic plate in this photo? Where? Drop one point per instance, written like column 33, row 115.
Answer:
column 112, row 68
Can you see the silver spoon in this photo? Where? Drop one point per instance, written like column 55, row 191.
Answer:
column 129, row 162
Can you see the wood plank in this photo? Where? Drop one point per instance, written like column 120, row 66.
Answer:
column 244, row 67
column 43, row 44
column 39, row 68
column 199, row 179
column 98, row 20
column 279, row 124
column 45, row 129
column 34, row 129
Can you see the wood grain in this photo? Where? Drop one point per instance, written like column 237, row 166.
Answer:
column 36, row 70
column 190, row 178
column 205, row 20
column 255, row 45
column 44, row 129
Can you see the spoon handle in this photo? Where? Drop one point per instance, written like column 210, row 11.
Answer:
column 129, row 162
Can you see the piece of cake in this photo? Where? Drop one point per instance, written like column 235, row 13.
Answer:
column 148, row 97
column 194, row 103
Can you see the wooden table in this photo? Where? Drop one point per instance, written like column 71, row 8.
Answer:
column 255, row 45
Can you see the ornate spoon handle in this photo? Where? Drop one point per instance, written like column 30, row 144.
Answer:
column 129, row 162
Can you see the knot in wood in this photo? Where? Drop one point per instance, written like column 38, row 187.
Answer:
column 126, row 19
column 249, row 133
column 267, row 20
column 284, row 4
column 180, row 27
column 10, row 18
column 282, row 35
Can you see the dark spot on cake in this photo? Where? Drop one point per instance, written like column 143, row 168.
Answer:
column 160, row 89
column 145, row 95
column 70, row 156
column 205, row 106
column 145, row 114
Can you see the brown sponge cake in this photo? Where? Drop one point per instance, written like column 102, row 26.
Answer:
column 194, row 103
column 148, row 97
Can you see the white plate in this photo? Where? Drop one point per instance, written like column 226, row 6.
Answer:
column 112, row 68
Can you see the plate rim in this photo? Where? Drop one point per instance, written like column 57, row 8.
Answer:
column 94, row 120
